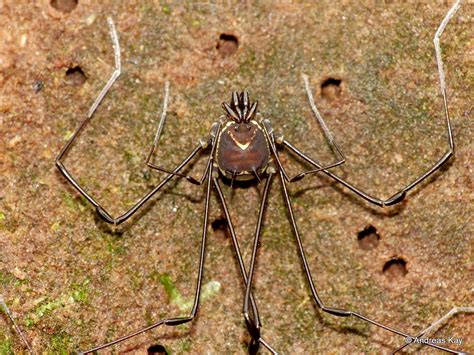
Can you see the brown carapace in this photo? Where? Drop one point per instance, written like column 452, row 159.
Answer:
column 242, row 151
column 242, row 146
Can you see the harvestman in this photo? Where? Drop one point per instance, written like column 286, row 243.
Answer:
column 242, row 145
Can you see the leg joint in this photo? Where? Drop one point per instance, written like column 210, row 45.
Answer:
column 177, row 321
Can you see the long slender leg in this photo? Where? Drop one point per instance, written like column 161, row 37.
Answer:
column 4, row 306
column 334, row 311
column 178, row 320
column 272, row 138
column 240, row 260
column 435, row 326
column 235, row 244
column 116, row 73
column 214, row 133
column 122, row 218
column 400, row 195
column 254, row 256
column 100, row 210
column 327, row 133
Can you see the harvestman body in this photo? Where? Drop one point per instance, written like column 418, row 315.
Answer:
column 243, row 146
column 243, row 151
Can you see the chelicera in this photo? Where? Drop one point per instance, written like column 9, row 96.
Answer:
column 242, row 145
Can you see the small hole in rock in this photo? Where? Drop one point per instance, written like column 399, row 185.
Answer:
column 64, row 5
column 219, row 226
column 157, row 349
column 75, row 76
column 395, row 268
column 331, row 88
column 368, row 238
column 227, row 44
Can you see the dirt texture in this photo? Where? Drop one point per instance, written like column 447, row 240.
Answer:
column 74, row 282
